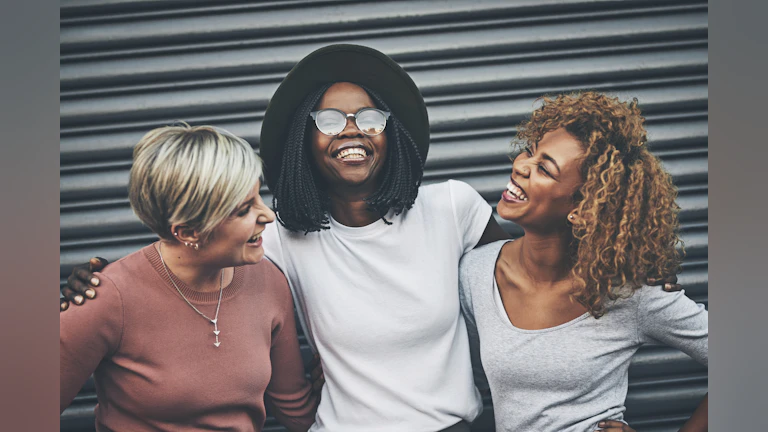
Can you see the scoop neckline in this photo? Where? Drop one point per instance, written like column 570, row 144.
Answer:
column 502, row 313
column 499, row 306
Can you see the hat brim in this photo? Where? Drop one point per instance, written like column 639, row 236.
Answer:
column 341, row 63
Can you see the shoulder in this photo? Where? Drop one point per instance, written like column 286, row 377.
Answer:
column 433, row 194
column 652, row 300
column 484, row 254
column 480, row 261
column 126, row 272
column 130, row 263
column 448, row 188
column 275, row 286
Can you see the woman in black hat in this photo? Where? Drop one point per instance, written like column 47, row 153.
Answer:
column 370, row 254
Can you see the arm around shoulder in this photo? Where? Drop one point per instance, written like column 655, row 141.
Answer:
column 87, row 335
column 289, row 395
column 473, row 216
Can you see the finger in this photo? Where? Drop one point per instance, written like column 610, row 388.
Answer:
column 75, row 287
column 652, row 281
column 672, row 279
column 64, row 305
column 315, row 361
column 97, row 263
column 672, row 287
column 317, row 385
column 316, row 372
column 86, row 276
column 78, row 282
column 72, row 296
column 614, row 426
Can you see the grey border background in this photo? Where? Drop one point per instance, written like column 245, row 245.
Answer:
column 29, row 200
column 738, row 348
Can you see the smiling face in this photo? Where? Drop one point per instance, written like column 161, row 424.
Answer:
column 544, row 179
column 237, row 240
column 351, row 159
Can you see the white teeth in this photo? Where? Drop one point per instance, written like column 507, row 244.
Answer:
column 351, row 152
column 516, row 191
column 254, row 238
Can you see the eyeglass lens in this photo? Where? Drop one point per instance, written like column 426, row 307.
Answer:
column 369, row 121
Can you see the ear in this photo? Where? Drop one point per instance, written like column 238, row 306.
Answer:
column 573, row 217
column 185, row 234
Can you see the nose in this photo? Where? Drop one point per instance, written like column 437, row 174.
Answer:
column 521, row 168
column 350, row 129
column 266, row 215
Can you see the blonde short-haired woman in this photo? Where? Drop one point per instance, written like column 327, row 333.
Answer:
column 193, row 332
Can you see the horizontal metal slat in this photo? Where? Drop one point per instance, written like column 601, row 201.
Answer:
column 490, row 114
column 252, row 98
column 248, row 24
column 255, row 61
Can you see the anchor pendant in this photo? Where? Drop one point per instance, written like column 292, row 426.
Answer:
column 216, row 332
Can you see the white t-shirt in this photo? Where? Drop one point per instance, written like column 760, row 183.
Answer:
column 380, row 304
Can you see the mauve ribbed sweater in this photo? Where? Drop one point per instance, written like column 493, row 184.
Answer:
column 154, row 361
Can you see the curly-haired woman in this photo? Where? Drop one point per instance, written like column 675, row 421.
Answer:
column 600, row 220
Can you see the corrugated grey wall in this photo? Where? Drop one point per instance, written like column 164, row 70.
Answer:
column 130, row 65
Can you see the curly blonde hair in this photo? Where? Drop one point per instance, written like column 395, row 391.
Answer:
column 627, row 230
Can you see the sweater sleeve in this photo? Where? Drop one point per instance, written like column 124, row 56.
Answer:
column 675, row 320
column 87, row 335
column 289, row 395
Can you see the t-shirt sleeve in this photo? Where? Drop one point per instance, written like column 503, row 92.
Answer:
column 467, row 311
column 675, row 320
column 273, row 249
column 471, row 213
column 88, row 334
column 289, row 395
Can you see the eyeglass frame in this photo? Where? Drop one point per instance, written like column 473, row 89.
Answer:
column 314, row 114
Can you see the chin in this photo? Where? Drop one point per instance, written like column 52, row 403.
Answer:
column 506, row 213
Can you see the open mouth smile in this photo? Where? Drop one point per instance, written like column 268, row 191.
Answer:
column 351, row 152
column 255, row 240
column 514, row 193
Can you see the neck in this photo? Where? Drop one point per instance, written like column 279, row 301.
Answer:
column 350, row 209
column 188, row 266
column 543, row 259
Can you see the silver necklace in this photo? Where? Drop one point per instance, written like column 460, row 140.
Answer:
column 215, row 319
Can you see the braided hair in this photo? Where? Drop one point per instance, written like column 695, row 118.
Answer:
column 301, row 203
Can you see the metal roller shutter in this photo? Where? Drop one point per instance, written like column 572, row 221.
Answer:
column 131, row 65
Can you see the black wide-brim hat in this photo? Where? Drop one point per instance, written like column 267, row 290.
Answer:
column 341, row 63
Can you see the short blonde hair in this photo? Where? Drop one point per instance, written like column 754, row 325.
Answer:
column 191, row 175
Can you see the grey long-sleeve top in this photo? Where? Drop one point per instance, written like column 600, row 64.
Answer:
column 568, row 377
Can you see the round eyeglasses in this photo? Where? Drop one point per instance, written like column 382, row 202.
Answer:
column 331, row 121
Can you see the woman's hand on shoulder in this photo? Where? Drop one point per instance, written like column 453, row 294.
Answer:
column 668, row 283
column 81, row 283
column 614, row 426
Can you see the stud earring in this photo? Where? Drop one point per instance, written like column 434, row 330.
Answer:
column 570, row 216
column 196, row 246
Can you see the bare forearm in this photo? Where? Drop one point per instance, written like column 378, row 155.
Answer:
column 699, row 420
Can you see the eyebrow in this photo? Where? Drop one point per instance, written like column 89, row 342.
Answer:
column 243, row 205
column 549, row 158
